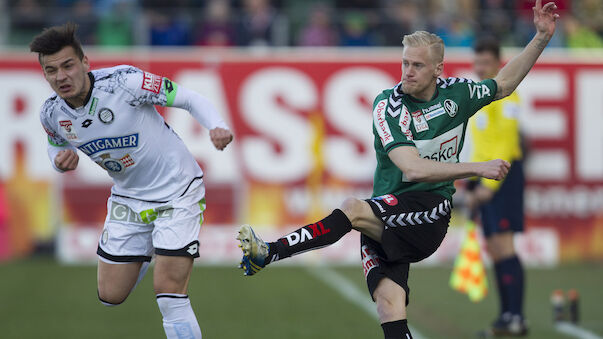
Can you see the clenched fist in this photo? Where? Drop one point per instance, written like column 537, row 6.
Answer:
column 66, row 160
column 494, row 169
column 220, row 137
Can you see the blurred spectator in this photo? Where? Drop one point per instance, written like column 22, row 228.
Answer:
column 456, row 31
column 496, row 19
column 590, row 13
column 355, row 31
column 115, row 26
column 27, row 19
column 82, row 13
column 578, row 35
column 166, row 30
column 217, row 28
column 319, row 30
column 401, row 17
column 257, row 23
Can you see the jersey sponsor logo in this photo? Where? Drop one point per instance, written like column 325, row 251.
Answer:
column 444, row 148
column 451, row 107
column 479, row 91
column 303, row 234
column 105, row 144
column 370, row 259
column 68, row 128
column 123, row 213
column 433, row 111
column 49, row 132
column 419, row 121
column 381, row 125
column 106, row 115
column 151, row 82
column 405, row 123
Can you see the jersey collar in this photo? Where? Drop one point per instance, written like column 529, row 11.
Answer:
column 89, row 92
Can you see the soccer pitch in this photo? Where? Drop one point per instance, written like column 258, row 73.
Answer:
column 42, row 299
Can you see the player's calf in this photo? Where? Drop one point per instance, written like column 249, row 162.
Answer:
column 257, row 254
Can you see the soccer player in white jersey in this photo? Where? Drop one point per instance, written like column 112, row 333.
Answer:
column 158, row 197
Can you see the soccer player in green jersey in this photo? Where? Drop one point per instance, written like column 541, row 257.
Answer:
column 419, row 127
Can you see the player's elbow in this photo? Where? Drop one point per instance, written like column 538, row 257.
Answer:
column 414, row 174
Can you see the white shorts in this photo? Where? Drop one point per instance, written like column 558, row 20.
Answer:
column 134, row 229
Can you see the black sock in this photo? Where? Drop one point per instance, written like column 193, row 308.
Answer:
column 502, row 292
column 396, row 330
column 512, row 283
column 310, row 237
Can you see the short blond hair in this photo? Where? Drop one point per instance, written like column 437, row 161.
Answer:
column 422, row 38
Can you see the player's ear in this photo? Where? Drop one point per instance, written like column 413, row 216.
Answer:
column 439, row 69
column 86, row 63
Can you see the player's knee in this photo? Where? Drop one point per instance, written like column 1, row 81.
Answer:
column 109, row 299
column 390, row 304
column 353, row 209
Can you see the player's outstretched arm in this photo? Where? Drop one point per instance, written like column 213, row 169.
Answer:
column 418, row 169
column 515, row 70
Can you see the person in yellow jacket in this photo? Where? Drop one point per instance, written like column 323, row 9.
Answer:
column 495, row 134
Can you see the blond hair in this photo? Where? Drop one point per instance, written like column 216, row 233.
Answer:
column 422, row 38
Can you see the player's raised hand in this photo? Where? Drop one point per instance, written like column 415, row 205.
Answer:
column 220, row 137
column 545, row 17
column 66, row 160
column 494, row 169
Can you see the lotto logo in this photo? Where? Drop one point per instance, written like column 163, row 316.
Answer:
column 151, row 82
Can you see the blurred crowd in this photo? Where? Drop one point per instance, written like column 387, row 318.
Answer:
column 297, row 22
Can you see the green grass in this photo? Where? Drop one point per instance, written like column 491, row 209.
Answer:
column 42, row 299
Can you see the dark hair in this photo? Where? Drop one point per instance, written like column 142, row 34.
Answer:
column 488, row 44
column 55, row 38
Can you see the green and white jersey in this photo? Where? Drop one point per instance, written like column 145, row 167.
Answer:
column 435, row 127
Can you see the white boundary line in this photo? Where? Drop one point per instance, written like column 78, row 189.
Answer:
column 575, row 331
column 350, row 292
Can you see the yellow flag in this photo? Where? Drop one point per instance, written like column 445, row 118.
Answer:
column 468, row 275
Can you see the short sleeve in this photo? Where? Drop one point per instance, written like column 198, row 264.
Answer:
column 393, row 131
column 479, row 94
column 149, row 88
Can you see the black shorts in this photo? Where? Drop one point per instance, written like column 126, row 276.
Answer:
column 415, row 225
column 504, row 213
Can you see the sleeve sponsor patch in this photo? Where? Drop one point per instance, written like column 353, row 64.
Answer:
column 381, row 125
column 151, row 82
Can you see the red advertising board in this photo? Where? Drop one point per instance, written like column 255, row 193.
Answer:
column 303, row 139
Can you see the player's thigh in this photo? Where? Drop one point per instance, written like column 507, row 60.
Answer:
column 362, row 218
column 116, row 280
column 176, row 241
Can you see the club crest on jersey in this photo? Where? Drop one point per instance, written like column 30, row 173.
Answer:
column 106, row 116
column 151, row 82
column 419, row 121
column 115, row 165
column 68, row 128
column 451, row 107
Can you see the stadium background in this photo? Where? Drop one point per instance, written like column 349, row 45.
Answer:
column 295, row 80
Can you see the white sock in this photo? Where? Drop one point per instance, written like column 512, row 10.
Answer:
column 179, row 321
